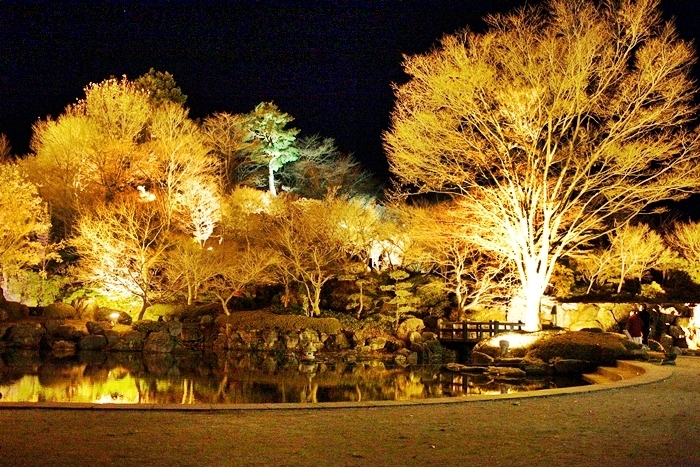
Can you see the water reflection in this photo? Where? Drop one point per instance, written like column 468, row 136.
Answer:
column 229, row 378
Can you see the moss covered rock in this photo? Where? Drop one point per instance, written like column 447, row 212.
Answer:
column 60, row 310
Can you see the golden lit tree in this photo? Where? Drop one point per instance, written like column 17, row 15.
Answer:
column 24, row 229
column 90, row 153
column 548, row 125
column 635, row 249
column 684, row 239
column 122, row 247
column 441, row 243
column 308, row 240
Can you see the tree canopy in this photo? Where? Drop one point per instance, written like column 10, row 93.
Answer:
column 555, row 122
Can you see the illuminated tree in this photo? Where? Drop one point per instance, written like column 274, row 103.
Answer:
column 160, row 86
column 547, row 126
column 635, row 249
column 441, row 244
column 273, row 143
column 90, row 153
column 322, row 169
column 308, row 241
column 24, row 229
column 227, row 138
column 684, row 238
column 122, row 247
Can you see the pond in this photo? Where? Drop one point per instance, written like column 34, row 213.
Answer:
column 230, row 378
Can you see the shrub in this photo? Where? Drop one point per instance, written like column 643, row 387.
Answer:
column 249, row 320
column 599, row 348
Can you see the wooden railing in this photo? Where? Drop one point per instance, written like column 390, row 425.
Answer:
column 473, row 331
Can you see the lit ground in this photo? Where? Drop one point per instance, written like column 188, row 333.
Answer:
column 655, row 424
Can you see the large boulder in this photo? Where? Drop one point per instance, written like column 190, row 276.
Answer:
column 132, row 341
column 573, row 367
column 15, row 310
column 159, row 342
column 408, row 326
column 60, row 310
column 65, row 331
column 25, row 335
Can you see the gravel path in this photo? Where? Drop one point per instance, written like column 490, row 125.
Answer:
column 656, row 424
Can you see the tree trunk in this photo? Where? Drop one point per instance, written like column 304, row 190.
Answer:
column 271, row 177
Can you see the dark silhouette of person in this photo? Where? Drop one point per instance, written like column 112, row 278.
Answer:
column 644, row 314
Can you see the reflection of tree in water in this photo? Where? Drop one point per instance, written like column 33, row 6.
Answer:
column 231, row 379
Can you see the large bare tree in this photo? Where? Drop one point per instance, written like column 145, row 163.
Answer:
column 549, row 125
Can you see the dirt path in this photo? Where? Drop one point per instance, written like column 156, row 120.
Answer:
column 656, row 424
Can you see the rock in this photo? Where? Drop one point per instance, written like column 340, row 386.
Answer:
column 146, row 326
column 377, row 343
column 676, row 332
column 408, row 326
column 479, row 358
column 93, row 342
column 206, row 320
column 159, row 342
column 191, row 332
column 338, row 342
column 675, row 351
column 358, row 339
column 412, row 358
column 666, row 342
column 25, row 335
column 68, row 332
column 428, row 336
column 456, row 367
column 535, row 367
column 95, row 328
column 132, row 341
column 269, row 338
column 4, row 315
column 506, row 372
column 15, row 310
column 60, row 310
column 290, row 340
column 174, row 328
column 112, row 337
column 572, row 367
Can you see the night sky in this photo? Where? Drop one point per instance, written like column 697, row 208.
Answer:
column 329, row 65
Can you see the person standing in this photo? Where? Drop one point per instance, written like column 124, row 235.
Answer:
column 634, row 328
column 645, row 316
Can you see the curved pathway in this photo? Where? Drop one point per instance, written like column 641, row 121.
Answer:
column 651, row 420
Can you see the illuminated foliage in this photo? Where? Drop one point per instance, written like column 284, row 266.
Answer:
column 24, row 230
column 547, row 126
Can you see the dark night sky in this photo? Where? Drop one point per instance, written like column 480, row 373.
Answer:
column 329, row 65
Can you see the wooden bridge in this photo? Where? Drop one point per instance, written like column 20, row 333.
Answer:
column 473, row 331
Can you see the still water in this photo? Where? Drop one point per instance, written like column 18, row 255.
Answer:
column 228, row 378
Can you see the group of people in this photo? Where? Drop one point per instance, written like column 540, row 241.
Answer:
column 638, row 325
